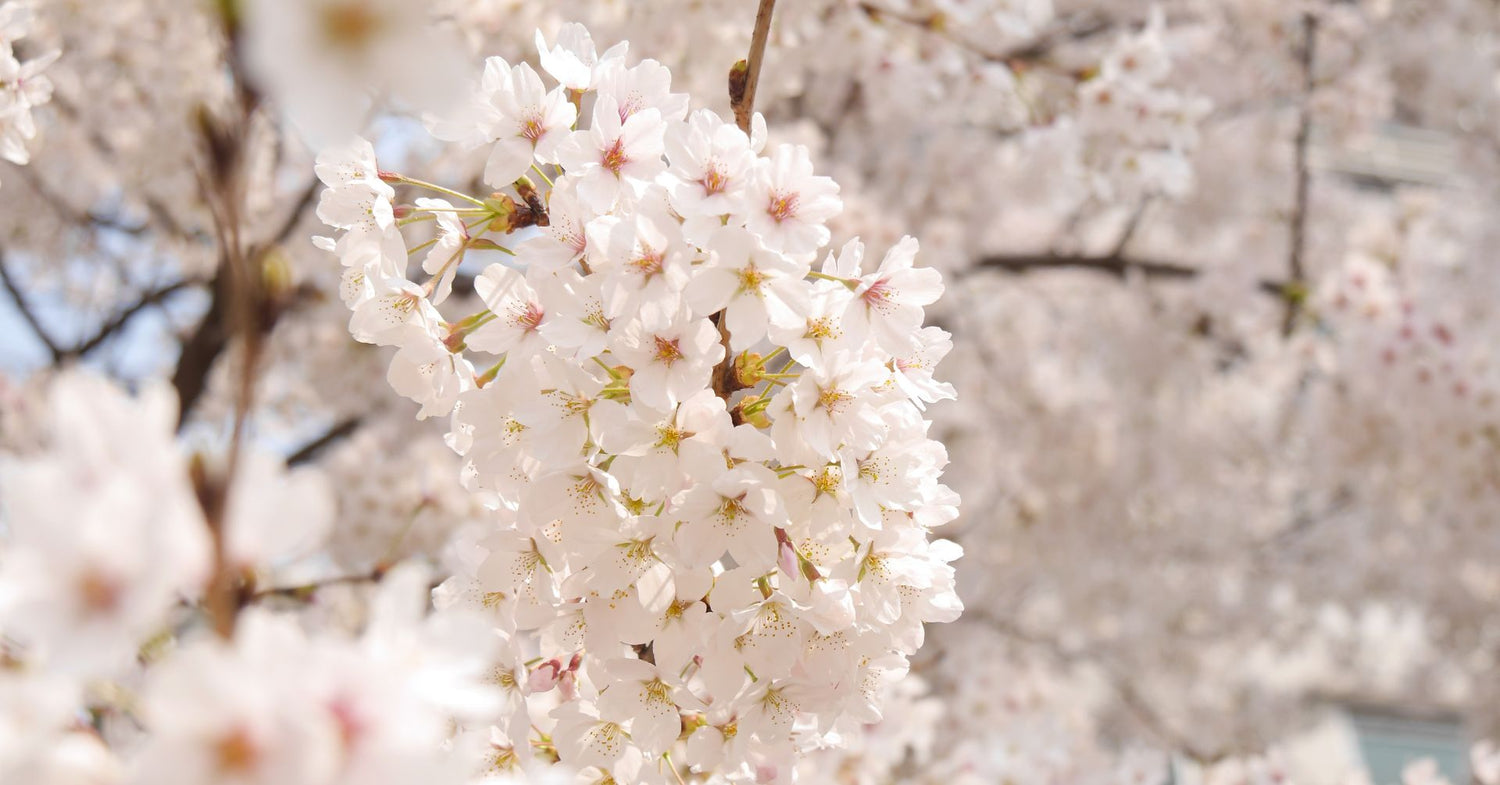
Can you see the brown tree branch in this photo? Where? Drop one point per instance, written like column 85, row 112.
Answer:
column 1111, row 264
column 744, row 77
column 312, row 449
column 1296, row 267
column 27, row 314
column 1076, row 28
column 289, row 224
column 114, row 325
column 1123, row 685
column 73, row 214
column 1132, row 225
column 305, row 591
column 200, row 350
column 159, row 212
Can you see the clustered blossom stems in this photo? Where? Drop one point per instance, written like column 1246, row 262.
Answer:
column 688, row 547
column 394, row 178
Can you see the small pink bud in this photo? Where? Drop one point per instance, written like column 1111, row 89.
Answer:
column 787, row 558
column 544, row 677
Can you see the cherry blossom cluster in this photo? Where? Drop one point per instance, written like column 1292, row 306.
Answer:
column 1003, row 716
column 1409, row 387
column 1392, row 343
column 1136, row 127
column 22, row 84
column 706, row 453
column 109, row 670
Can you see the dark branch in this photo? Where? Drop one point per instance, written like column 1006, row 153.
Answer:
column 24, row 307
column 1123, row 685
column 200, row 350
column 159, row 212
column 305, row 592
column 1296, row 267
column 1114, row 265
column 1117, row 266
column 744, row 77
column 118, row 323
column 295, row 216
column 1072, row 29
column 74, row 214
column 1076, row 29
column 312, row 449
column 1132, row 225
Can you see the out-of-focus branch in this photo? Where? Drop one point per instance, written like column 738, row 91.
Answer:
column 1296, row 267
column 1132, row 225
column 114, row 325
column 1076, row 28
column 24, row 307
column 1122, row 684
column 289, row 224
column 1112, row 264
column 337, row 431
column 307, row 590
column 199, row 351
column 159, row 212
column 209, row 339
column 73, row 214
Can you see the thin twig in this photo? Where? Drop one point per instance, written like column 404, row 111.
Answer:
column 109, row 328
column 289, row 224
column 744, row 78
column 1131, row 226
column 27, row 314
column 309, row 451
column 1296, row 266
column 246, row 305
column 1122, row 684
column 305, row 590
column 1038, row 48
column 159, row 211
column 1119, row 266
column 74, row 214
column 201, row 349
